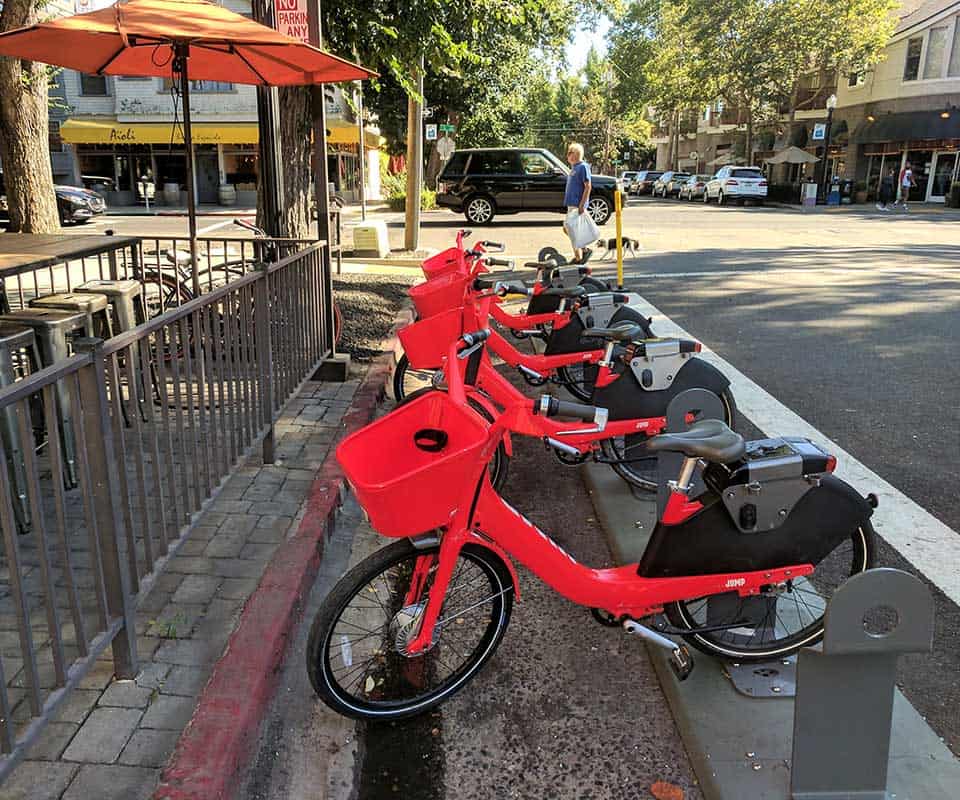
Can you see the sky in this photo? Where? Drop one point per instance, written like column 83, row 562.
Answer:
column 582, row 40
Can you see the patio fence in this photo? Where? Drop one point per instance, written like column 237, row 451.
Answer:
column 114, row 453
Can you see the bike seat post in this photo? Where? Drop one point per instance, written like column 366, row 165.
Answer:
column 608, row 356
column 683, row 482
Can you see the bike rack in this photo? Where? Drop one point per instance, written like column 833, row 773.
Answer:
column 845, row 691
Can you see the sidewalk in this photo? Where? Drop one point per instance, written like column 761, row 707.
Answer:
column 112, row 737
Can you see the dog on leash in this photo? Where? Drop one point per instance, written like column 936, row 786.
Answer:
column 630, row 247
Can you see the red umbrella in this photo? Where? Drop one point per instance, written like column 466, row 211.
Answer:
column 183, row 39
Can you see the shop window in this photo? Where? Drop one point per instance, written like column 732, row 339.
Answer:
column 936, row 49
column 93, row 85
column 953, row 68
column 56, row 143
column 911, row 67
column 240, row 166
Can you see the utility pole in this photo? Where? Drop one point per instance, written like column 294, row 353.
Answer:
column 414, row 163
column 362, row 151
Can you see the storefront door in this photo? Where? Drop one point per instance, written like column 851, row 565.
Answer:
column 943, row 174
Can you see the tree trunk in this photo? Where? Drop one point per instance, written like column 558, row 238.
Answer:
column 749, row 144
column 296, row 126
column 24, row 134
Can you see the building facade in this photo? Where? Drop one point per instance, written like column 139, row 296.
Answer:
column 907, row 109
column 123, row 136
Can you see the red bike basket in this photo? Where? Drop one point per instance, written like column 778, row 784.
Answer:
column 444, row 263
column 439, row 294
column 412, row 469
column 427, row 342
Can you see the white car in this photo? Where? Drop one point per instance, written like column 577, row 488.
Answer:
column 737, row 184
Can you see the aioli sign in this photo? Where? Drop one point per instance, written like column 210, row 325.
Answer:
column 292, row 19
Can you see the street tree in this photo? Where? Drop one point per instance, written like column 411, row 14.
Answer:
column 472, row 52
column 754, row 52
column 24, row 132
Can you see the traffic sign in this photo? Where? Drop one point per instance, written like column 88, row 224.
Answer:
column 819, row 131
column 447, row 128
column 431, row 133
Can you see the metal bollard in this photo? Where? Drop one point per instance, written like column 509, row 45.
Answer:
column 844, row 705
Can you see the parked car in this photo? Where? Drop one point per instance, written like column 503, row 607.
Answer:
column 627, row 179
column 643, row 183
column 693, row 187
column 74, row 204
column 668, row 183
column 738, row 184
column 482, row 183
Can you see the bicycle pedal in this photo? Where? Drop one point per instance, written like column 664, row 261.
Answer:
column 681, row 662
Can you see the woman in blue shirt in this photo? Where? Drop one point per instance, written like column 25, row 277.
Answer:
column 576, row 195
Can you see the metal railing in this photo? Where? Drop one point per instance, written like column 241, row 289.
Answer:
column 155, row 419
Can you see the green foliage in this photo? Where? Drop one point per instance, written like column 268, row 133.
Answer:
column 394, row 189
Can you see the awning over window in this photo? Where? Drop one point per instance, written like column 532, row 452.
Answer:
column 107, row 130
column 909, row 125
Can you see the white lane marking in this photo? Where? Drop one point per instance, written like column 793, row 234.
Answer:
column 215, row 226
column 932, row 547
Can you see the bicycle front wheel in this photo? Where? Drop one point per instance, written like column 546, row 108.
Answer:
column 407, row 379
column 356, row 654
column 778, row 624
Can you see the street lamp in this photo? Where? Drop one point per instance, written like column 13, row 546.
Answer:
column 831, row 104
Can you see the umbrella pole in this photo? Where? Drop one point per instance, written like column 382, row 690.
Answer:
column 183, row 56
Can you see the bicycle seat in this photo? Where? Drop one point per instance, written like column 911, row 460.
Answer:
column 709, row 438
column 568, row 291
column 624, row 332
column 178, row 257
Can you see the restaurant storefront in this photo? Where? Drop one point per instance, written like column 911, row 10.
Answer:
column 136, row 162
column 928, row 140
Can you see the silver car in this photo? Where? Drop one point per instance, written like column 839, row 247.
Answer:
column 669, row 183
column 693, row 187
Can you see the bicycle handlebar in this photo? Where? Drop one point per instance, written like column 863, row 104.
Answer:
column 498, row 262
column 493, row 247
column 550, row 406
column 250, row 227
column 475, row 337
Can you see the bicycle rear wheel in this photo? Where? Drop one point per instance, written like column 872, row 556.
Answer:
column 775, row 625
column 356, row 652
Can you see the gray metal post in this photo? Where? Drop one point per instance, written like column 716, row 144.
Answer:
column 263, row 322
column 105, row 483
column 844, row 705
column 181, row 61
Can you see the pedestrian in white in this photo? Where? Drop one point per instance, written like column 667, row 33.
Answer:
column 906, row 183
column 576, row 196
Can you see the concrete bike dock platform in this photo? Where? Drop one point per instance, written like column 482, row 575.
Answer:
column 741, row 746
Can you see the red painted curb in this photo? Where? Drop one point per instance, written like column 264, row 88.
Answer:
column 226, row 721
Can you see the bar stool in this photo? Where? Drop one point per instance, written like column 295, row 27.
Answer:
column 89, row 304
column 19, row 340
column 126, row 299
column 52, row 327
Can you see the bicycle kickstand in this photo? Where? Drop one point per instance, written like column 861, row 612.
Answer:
column 681, row 662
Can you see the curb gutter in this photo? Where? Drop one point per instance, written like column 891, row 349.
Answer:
column 226, row 721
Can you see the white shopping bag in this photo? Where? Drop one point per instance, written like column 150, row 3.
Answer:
column 581, row 229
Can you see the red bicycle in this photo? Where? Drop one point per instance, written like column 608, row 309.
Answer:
column 634, row 379
column 409, row 626
column 564, row 359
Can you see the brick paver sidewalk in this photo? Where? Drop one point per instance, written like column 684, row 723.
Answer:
column 111, row 737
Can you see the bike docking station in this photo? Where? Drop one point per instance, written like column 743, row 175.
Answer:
column 828, row 724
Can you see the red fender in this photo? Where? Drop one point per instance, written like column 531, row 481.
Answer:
column 474, row 537
column 494, row 412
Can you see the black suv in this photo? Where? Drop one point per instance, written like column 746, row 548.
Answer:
column 485, row 182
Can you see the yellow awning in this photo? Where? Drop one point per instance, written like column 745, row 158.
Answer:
column 109, row 131
column 343, row 132
column 106, row 130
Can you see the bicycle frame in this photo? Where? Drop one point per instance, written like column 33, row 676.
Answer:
column 486, row 519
